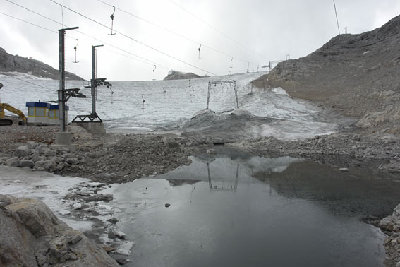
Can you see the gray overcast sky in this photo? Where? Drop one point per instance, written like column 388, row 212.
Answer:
column 234, row 34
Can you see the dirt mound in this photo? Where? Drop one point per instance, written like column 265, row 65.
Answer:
column 208, row 126
column 356, row 75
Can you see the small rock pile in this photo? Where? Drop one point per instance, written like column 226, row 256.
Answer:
column 132, row 156
column 391, row 227
column 42, row 157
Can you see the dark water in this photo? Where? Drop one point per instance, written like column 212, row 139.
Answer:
column 250, row 211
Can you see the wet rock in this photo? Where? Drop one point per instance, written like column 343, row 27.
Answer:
column 26, row 163
column 97, row 197
column 72, row 161
column 77, row 206
column 113, row 220
column 32, row 145
column 37, row 157
column 50, row 153
column 13, row 162
column 22, row 151
column 119, row 234
column 42, row 165
column 167, row 205
column 64, row 212
column 42, row 148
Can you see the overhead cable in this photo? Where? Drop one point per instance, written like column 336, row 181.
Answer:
column 132, row 38
column 170, row 31
column 137, row 57
column 33, row 24
column 226, row 36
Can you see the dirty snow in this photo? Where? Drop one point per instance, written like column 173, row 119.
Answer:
column 167, row 105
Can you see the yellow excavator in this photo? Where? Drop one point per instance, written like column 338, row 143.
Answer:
column 7, row 122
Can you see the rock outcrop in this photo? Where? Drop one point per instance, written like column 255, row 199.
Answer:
column 10, row 63
column 357, row 75
column 31, row 235
column 391, row 227
column 177, row 75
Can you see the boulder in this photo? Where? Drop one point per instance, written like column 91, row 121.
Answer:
column 22, row 151
column 31, row 235
column 26, row 163
column 13, row 162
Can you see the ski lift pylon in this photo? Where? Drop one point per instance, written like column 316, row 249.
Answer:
column 75, row 48
column 112, row 21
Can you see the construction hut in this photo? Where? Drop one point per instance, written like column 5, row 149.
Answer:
column 54, row 114
column 38, row 112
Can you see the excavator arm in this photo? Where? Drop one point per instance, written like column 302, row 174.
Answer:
column 5, row 106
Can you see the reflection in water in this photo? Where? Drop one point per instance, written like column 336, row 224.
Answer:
column 252, row 211
column 221, row 186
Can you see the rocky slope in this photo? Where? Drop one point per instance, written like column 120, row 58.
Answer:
column 357, row 75
column 31, row 235
column 10, row 63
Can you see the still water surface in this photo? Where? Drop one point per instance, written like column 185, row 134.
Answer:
column 251, row 211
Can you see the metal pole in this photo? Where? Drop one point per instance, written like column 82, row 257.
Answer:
column 93, row 81
column 237, row 99
column 208, row 94
column 61, row 90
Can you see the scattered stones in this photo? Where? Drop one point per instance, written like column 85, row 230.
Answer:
column 89, row 204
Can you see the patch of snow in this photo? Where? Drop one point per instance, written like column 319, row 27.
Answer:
column 47, row 187
column 279, row 91
column 125, row 247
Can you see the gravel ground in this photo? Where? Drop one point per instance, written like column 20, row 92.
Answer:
column 113, row 158
column 119, row 158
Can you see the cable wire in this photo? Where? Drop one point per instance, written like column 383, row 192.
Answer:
column 137, row 57
column 171, row 31
column 33, row 24
column 131, row 38
column 226, row 36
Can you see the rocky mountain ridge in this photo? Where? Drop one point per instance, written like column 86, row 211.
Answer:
column 11, row 63
column 177, row 75
column 356, row 75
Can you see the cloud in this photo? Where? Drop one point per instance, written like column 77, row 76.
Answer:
column 249, row 31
